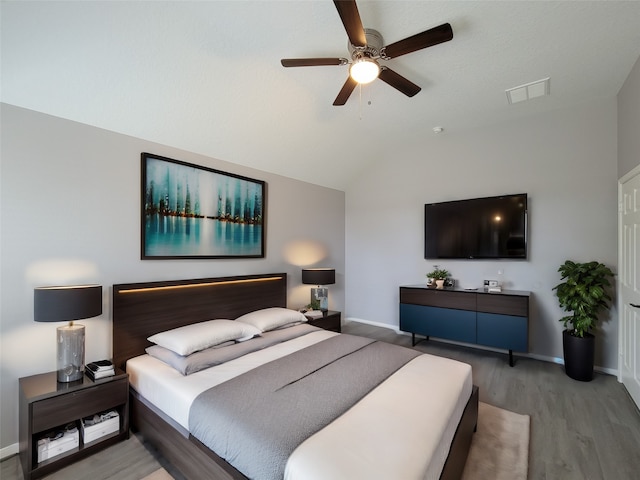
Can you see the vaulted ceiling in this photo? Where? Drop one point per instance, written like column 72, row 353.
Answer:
column 206, row 76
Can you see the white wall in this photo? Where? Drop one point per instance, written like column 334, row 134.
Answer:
column 565, row 161
column 70, row 213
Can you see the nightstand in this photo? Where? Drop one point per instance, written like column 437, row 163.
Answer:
column 47, row 405
column 329, row 320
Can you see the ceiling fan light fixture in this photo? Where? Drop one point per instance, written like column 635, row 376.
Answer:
column 364, row 70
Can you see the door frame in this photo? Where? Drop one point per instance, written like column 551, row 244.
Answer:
column 620, row 305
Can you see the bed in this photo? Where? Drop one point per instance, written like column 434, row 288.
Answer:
column 162, row 401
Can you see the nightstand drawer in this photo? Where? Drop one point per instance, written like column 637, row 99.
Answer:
column 329, row 321
column 52, row 412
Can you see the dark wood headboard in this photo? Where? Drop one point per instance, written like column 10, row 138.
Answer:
column 142, row 309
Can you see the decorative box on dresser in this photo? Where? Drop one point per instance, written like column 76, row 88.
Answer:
column 330, row 320
column 46, row 405
column 499, row 320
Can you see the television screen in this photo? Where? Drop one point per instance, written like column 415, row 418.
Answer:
column 479, row 228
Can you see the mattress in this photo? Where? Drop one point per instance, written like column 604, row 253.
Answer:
column 409, row 420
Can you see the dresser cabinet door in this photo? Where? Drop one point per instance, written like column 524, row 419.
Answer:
column 502, row 331
column 451, row 324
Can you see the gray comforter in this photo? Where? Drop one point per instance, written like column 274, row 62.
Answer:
column 257, row 419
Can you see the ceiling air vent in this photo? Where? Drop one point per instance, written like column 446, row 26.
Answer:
column 539, row 88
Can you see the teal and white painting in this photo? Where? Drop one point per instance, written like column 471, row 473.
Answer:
column 190, row 211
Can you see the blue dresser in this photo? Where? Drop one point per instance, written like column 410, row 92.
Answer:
column 499, row 320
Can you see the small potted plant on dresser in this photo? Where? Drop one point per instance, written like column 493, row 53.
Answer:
column 437, row 275
column 583, row 293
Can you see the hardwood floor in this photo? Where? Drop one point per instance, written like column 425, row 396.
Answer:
column 579, row 430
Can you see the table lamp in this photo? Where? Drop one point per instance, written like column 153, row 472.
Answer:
column 62, row 304
column 319, row 277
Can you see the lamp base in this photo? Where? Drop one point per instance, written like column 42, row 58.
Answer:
column 321, row 295
column 70, row 357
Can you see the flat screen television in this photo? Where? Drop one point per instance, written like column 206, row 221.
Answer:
column 478, row 228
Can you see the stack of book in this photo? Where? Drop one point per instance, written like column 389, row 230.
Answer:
column 99, row 369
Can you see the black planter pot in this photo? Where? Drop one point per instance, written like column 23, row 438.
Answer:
column 579, row 354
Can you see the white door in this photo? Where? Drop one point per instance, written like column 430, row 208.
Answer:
column 629, row 283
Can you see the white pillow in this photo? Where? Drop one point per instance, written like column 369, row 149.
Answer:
column 272, row 318
column 198, row 336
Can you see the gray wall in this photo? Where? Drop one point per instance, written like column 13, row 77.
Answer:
column 567, row 163
column 629, row 123
column 70, row 213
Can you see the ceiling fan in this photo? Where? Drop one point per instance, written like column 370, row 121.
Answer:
column 366, row 47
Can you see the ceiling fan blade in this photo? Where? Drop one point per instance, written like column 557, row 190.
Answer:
column 398, row 82
column 428, row 38
column 348, row 11
column 312, row 62
column 345, row 92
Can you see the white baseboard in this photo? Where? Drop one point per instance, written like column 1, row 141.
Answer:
column 535, row 356
column 375, row 324
column 608, row 371
column 9, row 451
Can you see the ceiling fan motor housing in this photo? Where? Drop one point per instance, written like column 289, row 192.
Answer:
column 372, row 49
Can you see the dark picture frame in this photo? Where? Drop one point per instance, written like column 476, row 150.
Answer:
column 191, row 211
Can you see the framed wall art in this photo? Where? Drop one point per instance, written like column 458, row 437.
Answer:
column 189, row 211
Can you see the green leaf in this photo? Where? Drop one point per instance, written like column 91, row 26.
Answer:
column 583, row 293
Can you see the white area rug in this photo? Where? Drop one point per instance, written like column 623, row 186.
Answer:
column 160, row 474
column 500, row 446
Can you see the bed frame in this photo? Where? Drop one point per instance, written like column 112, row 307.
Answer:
column 142, row 309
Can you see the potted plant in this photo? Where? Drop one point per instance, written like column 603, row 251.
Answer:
column 314, row 305
column 583, row 293
column 439, row 275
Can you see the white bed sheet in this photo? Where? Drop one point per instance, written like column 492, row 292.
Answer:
column 408, row 421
